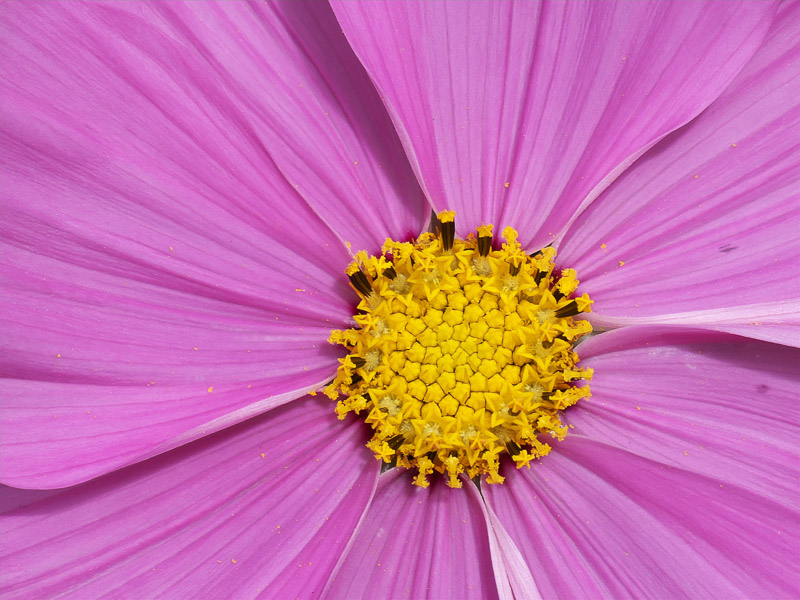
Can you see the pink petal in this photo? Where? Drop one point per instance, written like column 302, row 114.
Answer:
column 264, row 507
column 219, row 92
column 154, row 248
column 715, row 404
column 128, row 368
column 594, row 521
column 314, row 108
column 56, row 434
column 417, row 543
column 706, row 222
column 520, row 113
column 679, row 478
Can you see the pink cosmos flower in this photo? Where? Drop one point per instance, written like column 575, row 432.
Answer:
column 178, row 182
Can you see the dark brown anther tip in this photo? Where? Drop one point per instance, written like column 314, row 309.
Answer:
column 568, row 310
column 396, row 441
column 484, row 245
column 361, row 283
column 448, row 235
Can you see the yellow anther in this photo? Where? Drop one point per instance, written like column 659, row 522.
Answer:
column 568, row 282
column 461, row 353
column 454, row 469
column 511, row 236
column 584, row 303
column 523, row 459
column 425, row 467
column 384, row 453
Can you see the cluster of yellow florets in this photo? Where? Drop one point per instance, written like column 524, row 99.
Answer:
column 461, row 352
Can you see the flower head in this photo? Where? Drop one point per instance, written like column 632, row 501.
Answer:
column 461, row 353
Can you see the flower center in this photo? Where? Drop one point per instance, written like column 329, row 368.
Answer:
column 461, row 352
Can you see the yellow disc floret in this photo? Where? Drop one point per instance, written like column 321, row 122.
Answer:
column 461, row 352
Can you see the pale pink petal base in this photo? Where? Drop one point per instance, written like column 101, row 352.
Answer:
column 417, row 543
column 513, row 576
column 518, row 113
column 679, row 476
column 703, row 228
column 777, row 321
column 262, row 509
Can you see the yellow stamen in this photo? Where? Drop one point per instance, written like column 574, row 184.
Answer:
column 462, row 353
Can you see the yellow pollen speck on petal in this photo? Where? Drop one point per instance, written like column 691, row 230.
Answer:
column 461, row 353
column 210, row 389
column 507, row 183
column 58, row 355
column 622, row 263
